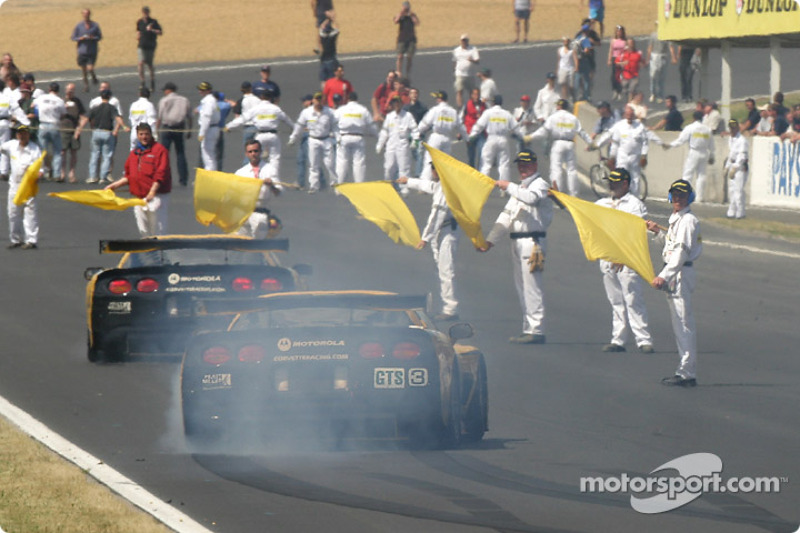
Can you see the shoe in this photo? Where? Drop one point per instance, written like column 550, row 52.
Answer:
column 652, row 98
column 92, row 180
column 29, row 246
column 316, row 51
column 527, row 338
column 613, row 348
column 444, row 317
column 312, row 191
column 679, row 381
column 646, row 348
column 14, row 245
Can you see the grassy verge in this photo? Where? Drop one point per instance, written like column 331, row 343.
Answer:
column 42, row 493
column 761, row 227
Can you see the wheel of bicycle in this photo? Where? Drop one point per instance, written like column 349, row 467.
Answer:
column 598, row 177
column 642, row 187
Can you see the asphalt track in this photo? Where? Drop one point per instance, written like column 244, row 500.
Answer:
column 558, row 412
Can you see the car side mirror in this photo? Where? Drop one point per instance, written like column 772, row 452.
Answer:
column 91, row 272
column 460, row 331
column 303, row 269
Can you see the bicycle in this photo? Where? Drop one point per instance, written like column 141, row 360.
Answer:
column 598, row 179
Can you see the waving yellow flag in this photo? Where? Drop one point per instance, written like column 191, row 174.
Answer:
column 29, row 186
column 100, row 198
column 225, row 200
column 378, row 202
column 610, row 234
column 466, row 191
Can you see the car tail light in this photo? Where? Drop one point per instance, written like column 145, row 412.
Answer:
column 271, row 285
column 252, row 353
column 120, row 286
column 242, row 284
column 406, row 350
column 147, row 285
column 371, row 350
column 216, row 355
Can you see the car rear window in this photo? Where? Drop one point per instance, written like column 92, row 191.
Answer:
column 182, row 256
column 322, row 317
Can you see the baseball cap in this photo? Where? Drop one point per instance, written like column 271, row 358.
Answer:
column 525, row 98
column 526, row 156
column 307, row 98
column 440, row 94
column 23, row 127
column 395, row 98
column 618, row 175
column 562, row 103
column 464, row 37
column 733, row 122
column 681, row 186
column 317, row 96
column 265, row 68
column 551, row 75
column 205, row 86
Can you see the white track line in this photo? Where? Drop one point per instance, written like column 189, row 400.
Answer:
column 103, row 473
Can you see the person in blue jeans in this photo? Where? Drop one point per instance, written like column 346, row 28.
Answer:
column 106, row 123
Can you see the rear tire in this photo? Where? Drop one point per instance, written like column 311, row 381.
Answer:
column 642, row 188
column 598, row 175
column 476, row 419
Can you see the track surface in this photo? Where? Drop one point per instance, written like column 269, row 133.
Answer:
column 558, row 412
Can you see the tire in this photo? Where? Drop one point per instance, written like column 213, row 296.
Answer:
column 476, row 419
column 92, row 353
column 597, row 177
column 431, row 433
column 642, row 188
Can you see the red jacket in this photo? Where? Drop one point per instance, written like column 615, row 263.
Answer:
column 143, row 167
column 472, row 114
column 334, row 86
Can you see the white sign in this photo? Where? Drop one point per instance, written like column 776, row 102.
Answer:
column 775, row 173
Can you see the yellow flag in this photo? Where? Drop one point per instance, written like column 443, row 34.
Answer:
column 29, row 186
column 225, row 200
column 100, row 198
column 610, row 234
column 466, row 191
column 378, row 202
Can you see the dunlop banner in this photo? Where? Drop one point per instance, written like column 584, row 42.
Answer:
column 719, row 19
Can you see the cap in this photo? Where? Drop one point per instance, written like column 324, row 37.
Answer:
column 562, row 103
column 307, row 98
column 551, row 75
column 395, row 98
column 205, row 86
column 29, row 77
column 681, row 186
column 486, row 72
column 317, row 96
column 526, row 156
column 169, row 86
column 464, row 37
column 618, row 175
column 22, row 127
column 602, row 104
column 763, row 107
column 265, row 68
column 440, row 94
column 733, row 122
column 525, row 98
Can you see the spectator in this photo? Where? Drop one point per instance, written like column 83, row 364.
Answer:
column 8, row 67
column 336, row 85
column 464, row 56
column 608, row 117
column 243, row 105
column 70, row 144
column 586, row 61
column 631, row 62
column 777, row 98
column 615, row 50
column 302, row 148
column 225, row 108
column 26, row 106
column 469, row 116
column 87, row 34
column 175, row 121
column 779, row 123
column 546, row 99
column 417, row 110
column 266, row 84
column 380, row 98
column 765, row 124
column 323, row 9
column 688, row 62
column 30, row 79
column 597, row 13
column 328, row 36
column 142, row 110
column 753, row 117
column 673, row 121
column 208, row 125
column 522, row 13
column 713, row 118
column 23, row 222
column 657, row 57
column 526, row 119
column 147, row 31
column 406, row 21
column 488, row 86
column 637, row 103
column 106, row 123
column 50, row 109
column 401, row 90
column 567, row 64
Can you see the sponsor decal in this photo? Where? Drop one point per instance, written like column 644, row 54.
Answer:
column 176, row 278
column 417, row 377
column 216, row 381
column 390, row 378
column 119, row 308
column 285, row 344
column 195, row 289
column 311, row 357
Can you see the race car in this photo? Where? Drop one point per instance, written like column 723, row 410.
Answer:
column 335, row 365
column 144, row 305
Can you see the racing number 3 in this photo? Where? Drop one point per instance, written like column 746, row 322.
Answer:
column 395, row 378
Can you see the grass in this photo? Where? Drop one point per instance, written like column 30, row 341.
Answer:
column 762, row 227
column 42, row 493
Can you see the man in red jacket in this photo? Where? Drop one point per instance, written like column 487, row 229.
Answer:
column 148, row 176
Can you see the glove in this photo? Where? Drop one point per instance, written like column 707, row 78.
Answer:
column 536, row 260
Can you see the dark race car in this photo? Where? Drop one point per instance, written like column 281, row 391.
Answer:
column 145, row 304
column 337, row 365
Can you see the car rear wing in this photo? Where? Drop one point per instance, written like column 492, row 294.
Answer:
column 203, row 243
column 289, row 300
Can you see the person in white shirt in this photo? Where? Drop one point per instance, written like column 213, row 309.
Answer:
column 442, row 121
column 399, row 129
column 142, row 110
column 322, row 129
column 247, row 102
column 266, row 116
column 499, row 125
column 208, row 122
column 567, row 65
column 9, row 109
column 442, row 233
column 546, row 99
column 682, row 247
column 701, row 152
column 736, row 170
column 561, row 128
column 712, row 119
column 526, row 217
column 623, row 285
column 525, row 118
column 51, row 108
column 355, row 122
column 257, row 224
column 23, row 222
column 464, row 56
column 488, row 86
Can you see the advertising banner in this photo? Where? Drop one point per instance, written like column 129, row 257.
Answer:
column 775, row 173
column 720, row 19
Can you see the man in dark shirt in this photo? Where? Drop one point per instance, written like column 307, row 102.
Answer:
column 673, row 121
column 147, row 31
column 753, row 116
column 87, row 34
column 323, row 9
column 407, row 21
column 265, row 84
column 328, row 61
column 779, row 122
column 105, row 122
column 76, row 113
column 417, row 110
